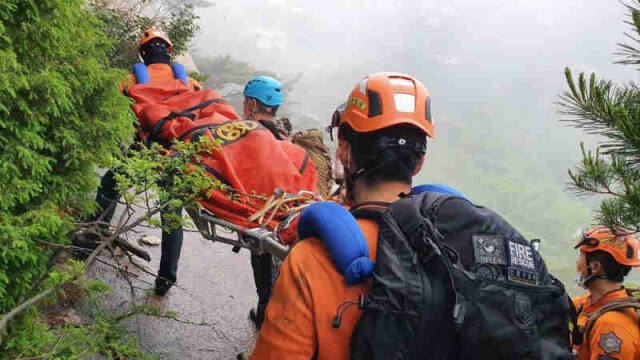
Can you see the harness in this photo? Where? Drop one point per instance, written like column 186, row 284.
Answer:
column 371, row 210
column 584, row 332
column 141, row 73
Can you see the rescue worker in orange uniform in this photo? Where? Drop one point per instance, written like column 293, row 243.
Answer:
column 262, row 97
column 386, row 118
column 155, row 49
column 605, row 259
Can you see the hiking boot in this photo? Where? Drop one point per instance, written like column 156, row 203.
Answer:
column 244, row 356
column 163, row 286
column 257, row 316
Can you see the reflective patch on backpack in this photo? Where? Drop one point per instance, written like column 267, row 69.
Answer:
column 489, row 249
column 521, row 266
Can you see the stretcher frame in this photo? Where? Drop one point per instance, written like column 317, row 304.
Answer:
column 257, row 239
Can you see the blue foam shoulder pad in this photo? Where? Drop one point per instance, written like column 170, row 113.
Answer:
column 439, row 188
column 180, row 73
column 141, row 73
column 342, row 237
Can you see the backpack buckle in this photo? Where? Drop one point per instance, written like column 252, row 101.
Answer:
column 458, row 315
column 427, row 241
column 427, row 249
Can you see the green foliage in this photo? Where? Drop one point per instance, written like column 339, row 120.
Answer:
column 99, row 333
column 202, row 78
column 61, row 114
column 612, row 111
column 124, row 25
column 153, row 180
column 181, row 26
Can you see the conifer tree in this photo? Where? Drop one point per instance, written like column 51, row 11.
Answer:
column 611, row 111
column 61, row 114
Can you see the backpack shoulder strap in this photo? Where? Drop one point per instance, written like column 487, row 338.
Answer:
column 613, row 305
column 180, row 73
column 371, row 210
column 411, row 216
column 141, row 73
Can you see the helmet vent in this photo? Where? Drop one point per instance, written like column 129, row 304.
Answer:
column 630, row 252
column 405, row 102
column 401, row 82
column 427, row 109
column 363, row 85
column 375, row 105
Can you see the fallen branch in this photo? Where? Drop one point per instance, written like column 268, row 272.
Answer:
column 107, row 242
column 18, row 309
column 163, row 316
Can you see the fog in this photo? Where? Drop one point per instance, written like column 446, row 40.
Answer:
column 456, row 47
column 494, row 69
column 469, row 53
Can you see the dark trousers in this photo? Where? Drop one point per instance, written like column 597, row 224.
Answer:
column 170, row 251
column 265, row 273
column 171, row 241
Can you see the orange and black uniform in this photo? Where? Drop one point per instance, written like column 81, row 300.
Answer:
column 304, row 302
column 615, row 335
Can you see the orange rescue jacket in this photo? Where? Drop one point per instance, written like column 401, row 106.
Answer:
column 615, row 335
column 304, row 302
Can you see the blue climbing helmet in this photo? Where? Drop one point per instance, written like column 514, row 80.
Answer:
column 265, row 89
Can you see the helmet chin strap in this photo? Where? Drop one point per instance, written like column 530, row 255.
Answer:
column 591, row 278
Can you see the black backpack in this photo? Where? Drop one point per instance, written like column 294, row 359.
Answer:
column 456, row 281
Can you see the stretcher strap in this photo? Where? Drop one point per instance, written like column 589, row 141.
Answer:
column 213, row 172
column 157, row 128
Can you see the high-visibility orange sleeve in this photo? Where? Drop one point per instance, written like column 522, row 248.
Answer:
column 611, row 340
column 289, row 329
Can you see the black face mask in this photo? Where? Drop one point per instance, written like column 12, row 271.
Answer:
column 156, row 51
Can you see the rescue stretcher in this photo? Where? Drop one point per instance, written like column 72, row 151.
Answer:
column 257, row 239
column 254, row 207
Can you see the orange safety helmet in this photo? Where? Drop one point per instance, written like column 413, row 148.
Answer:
column 387, row 99
column 152, row 33
column 625, row 249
